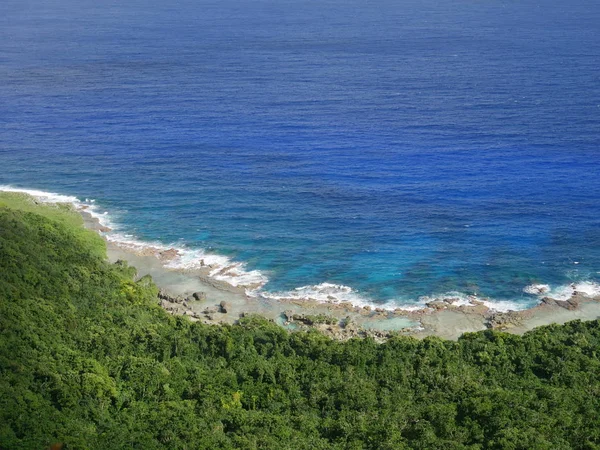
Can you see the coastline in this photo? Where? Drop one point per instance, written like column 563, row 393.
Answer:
column 446, row 318
column 215, row 290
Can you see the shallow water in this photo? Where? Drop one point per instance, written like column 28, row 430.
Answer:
column 399, row 150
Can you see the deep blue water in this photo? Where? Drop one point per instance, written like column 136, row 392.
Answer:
column 400, row 148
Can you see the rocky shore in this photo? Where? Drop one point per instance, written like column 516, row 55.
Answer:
column 344, row 321
column 194, row 293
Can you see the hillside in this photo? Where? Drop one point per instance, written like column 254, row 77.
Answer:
column 89, row 359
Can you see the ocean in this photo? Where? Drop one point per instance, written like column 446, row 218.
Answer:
column 378, row 152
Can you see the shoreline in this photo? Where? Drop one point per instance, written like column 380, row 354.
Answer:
column 445, row 318
column 214, row 289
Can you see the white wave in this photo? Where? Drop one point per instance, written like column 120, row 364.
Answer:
column 410, row 306
column 457, row 299
column 537, row 289
column 505, row 305
column 587, row 288
column 45, row 197
column 335, row 294
column 564, row 292
column 179, row 257
column 325, row 293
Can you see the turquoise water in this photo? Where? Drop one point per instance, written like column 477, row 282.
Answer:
column 401, row 150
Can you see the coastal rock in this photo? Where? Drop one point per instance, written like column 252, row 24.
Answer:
column 571, row 304
column 211, row 310
column 548, row 301
column 224, row 307
column 437, row 305
column 168, row 255
column 504, row 320
column 163, row 295
column 288, row 315
column 310, row 319
column 200, row 296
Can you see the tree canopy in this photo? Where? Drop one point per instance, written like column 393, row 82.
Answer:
column 89, row 359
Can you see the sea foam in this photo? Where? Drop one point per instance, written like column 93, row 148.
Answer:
column 564, row 292
column 323, row 293
column 457, row 299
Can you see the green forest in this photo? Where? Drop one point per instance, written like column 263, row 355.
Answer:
column 88, row 359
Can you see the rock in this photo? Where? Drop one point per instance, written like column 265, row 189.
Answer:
column 570, row 304
column 224, row 307
column 505, row 320
column 367, row 308
column 210, row 310
column 163, row 295
column 200, row 296
column 437, row 305
column 168, row 255
column 209, row 317
column 548, row 301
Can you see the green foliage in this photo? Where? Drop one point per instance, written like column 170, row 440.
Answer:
column 89, row 359
column 316, row 319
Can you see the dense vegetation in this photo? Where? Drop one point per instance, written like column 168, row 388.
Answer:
column 89, row 359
